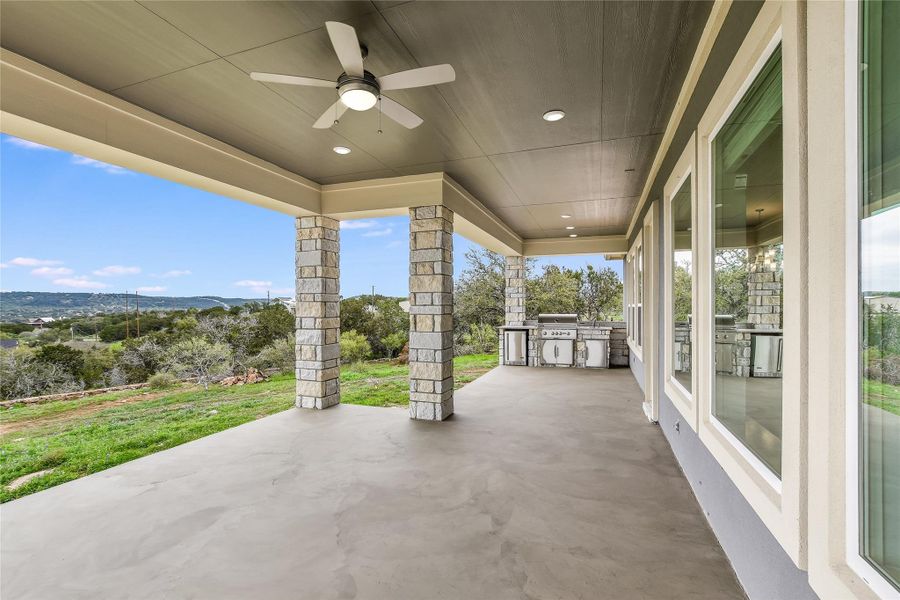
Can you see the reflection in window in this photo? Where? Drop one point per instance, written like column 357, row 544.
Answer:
column 682, row 275
column 879, row 289
column 747, row 213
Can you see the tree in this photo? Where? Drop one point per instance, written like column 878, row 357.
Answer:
column 602, row 294
column 68, row 359
column 141, row 358
column 278, row 355
column 375, row 321
column 481, row 338
column 21, row 376
column 681, row 292
column 198, row 359
column 273, row 322
column 354, row 347
column 480, row 290
column 731, row 283
column 394, row 342
column 556, row 290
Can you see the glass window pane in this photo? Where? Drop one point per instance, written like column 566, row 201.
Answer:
column 747, row 212
column 682, row 276
column 879, row 285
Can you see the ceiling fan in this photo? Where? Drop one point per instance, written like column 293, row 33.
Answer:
column 357, row 88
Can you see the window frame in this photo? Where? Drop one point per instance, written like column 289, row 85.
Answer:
column 633, row 259
column 779, row 503
column 680, row 397
column 877, row 582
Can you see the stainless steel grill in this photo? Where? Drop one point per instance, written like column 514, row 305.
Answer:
column 557, row 319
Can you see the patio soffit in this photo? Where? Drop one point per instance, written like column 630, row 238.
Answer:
column 614, row 67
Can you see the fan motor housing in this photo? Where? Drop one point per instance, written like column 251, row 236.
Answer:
column 367, row 82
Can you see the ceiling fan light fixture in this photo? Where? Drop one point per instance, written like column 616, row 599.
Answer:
column 570, row 227
column 341, row 150
column 553, row 115
column 566, row 216
column 358, row 99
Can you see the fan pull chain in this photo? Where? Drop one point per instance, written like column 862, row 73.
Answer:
column 336, row 120
column 379, row 114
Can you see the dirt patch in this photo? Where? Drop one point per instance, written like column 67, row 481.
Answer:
column 76, row 413
column 20, row 481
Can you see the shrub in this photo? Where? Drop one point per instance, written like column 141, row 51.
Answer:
column 354, row 347
column 278, row 355
column 481, row 337
column 198, row 359
column 394, row 342
column 161, row 381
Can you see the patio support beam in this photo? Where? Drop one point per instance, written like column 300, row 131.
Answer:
column 318, row 318
column 430, row 313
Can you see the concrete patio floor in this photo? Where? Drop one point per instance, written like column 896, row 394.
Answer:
column 546, row 483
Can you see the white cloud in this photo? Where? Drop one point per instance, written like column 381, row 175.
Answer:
column 51, row 271
column 4, row 266
column 150, row 289
column 357, row 224
column 257, row 286
column 22, row 261
column 90, row 162
column 378, row 232
column 27, row 145
column 175, row 273
column 114, row 270
column 80, row 282
column 880, row 252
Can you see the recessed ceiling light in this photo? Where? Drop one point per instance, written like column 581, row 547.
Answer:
column 341, row 149
column 573, row 235
column 566, row 216
column 570, row 227
column 719, row 205
column 553, row 115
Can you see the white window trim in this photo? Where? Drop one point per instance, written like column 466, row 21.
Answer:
column 780, row 503
column 634, row 344
column 680, row 397
column 869, row 574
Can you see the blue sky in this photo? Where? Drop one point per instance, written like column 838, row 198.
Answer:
column 69, row 223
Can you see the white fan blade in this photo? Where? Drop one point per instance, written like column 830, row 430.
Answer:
column 331, row 115
column 291, row 80
column 414, row 78
column 400, row 113
column 346, row 46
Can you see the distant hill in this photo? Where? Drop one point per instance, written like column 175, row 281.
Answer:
column 20, row 306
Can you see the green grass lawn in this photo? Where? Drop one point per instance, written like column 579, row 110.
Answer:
column 75, row 438
column 883, row 395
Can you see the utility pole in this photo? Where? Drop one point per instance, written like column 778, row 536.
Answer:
column 126, row 316
column 373, row 297
column 137, row 301
column 268, row 298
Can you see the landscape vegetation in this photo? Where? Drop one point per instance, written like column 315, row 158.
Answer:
column 185, row 358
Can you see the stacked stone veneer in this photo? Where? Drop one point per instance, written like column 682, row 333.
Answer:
column 318, row 322
column 515, row 290
column 430, row 313
column 764, row 288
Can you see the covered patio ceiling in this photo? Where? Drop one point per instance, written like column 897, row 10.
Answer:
column 615, row 68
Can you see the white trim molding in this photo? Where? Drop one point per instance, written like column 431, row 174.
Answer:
column 680, row 397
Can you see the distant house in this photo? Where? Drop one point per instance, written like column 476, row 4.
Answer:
column 883, row 303
column 9, row 344
column 288, row 303
column 39, row 322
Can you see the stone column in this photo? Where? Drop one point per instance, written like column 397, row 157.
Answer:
column 515, row 290
column 430, row 313
column 765, row 291
column 318, row 318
